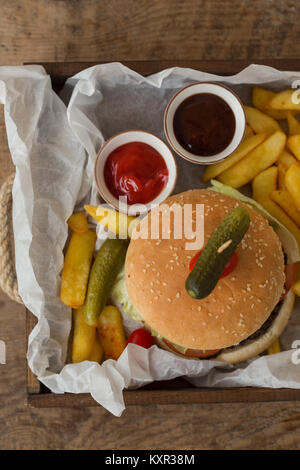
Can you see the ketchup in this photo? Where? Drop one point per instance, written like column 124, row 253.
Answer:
column 230, row 266
column 136, row 170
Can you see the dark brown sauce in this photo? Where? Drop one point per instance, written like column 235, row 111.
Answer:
column 204, row 124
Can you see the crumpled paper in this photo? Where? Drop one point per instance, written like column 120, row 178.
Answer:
column 53, row 142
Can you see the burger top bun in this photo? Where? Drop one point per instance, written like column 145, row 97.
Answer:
column 156, row 271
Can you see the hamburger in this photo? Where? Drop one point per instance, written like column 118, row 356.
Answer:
column 244, row 313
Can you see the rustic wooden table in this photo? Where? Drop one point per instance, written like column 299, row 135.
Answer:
column 68, row 30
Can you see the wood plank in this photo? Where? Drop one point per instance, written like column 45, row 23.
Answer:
column 33, row 384
column 145, row 67
column 90, row 30
column 171, row 397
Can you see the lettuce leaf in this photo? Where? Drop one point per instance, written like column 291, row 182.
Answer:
column 119, row 294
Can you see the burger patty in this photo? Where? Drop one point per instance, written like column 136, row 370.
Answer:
column 265, row 326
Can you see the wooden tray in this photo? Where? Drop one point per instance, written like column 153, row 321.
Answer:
column 177, row 390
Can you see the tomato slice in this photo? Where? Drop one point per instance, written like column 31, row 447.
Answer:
column 141, row 337
column 200, row 353
column 230, row 266
column 290, row 277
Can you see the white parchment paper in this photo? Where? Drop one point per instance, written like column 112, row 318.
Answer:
column 53, row 142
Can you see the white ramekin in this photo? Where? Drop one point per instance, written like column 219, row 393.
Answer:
column 125, row 138
column 194, row 89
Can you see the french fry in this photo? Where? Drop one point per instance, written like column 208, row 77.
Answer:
column 78, row 222
column 292, row 182
column 243, row 149
column 285, row 201
column 283, row 100
column 274, row 348
column 97, row 351
column 264, row 183
column 293, row 144
column 111, row 332
column 76, row 268
column 286, row 159
column 293, row 123
column 117, row 222
column 260, row 99
column 260, row 122
column 281, row 176
column 248, row 131
column 282, row 217
column 296, row 288
column 263, row 156
column 83, row 338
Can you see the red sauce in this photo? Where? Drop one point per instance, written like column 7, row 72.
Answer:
column 136, row 170
column 204, row 124
column 230, row 266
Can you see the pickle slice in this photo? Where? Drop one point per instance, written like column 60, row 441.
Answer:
column 108, row 262
column 217, row 252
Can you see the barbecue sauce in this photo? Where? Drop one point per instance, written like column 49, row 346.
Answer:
column 204, row 124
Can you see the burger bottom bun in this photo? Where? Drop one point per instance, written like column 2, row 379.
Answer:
column 251, row 348
column 256, row 346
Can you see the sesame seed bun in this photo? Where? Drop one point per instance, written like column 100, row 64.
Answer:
column 156, row 271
